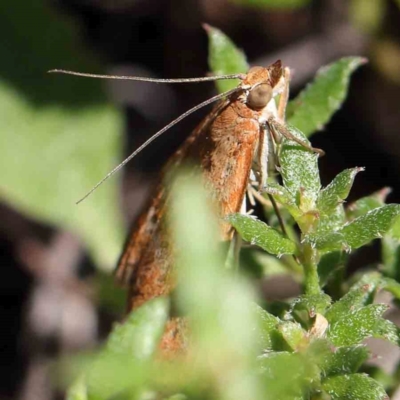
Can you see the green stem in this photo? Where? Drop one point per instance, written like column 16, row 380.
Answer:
column 311, row 279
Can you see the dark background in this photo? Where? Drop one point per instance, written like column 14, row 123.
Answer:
column 164, row 38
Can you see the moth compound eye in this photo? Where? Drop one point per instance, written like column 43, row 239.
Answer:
column 259, row 96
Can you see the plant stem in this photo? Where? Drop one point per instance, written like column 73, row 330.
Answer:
column 311, row 279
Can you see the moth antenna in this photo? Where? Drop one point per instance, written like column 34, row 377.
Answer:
column 144, row 79
column 157, row 134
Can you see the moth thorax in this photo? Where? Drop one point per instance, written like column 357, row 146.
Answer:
column 259, row 96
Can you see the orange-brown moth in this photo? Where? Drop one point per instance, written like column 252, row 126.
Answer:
column 236, row 140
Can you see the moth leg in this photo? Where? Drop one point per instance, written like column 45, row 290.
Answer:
column 284, row 98
column 284, row 131
column 265, row 157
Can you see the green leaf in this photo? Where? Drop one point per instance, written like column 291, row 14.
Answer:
column 365, row 204
column 344, row 360
column 293, row 334
column 359, row 295
column 312, row 303
column 288, row 376
column 59, row 134
column 359, row 232
column 269, row 335
column 328, row 265
column 224, row 58
column 259, row 233
column 282, row 196
column 299, row 171
column 361, row 324
column 141, row 332
column 354, row 387
column 315, row 105
column 273, row 4
column 337, row 191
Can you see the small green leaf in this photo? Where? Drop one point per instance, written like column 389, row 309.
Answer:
column 354, row 387
column 344, row 360
column 259, row 233
column 299, row 171
column 315, row 105
column 139, row 335
column 337, row 190
column 365, row 204
column 371, row 225
column 357, row 297
column 224, row 58
column 359, row 232
column 362, row 324
column 273, row 4
column 312, row 303
column 282, row 196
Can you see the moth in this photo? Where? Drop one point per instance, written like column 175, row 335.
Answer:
column 236, row 142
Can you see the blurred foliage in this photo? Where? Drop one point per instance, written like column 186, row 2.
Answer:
column 273, row 4
column 59, row 134
column 313, row 348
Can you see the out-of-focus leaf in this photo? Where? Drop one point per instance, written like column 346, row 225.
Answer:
column 337, row 190
column 365, row 204
column 392, row 286
column 354, row 387
column 293, row 334
column 298, row 368
column 315, row 105
column 223, row 328
column 344, row 360
column 299, row 170
column 270, row 337
column 367, row 15
column 259, row 233
column 359, row 232
column 122, row 364
column 78, row 390
column 361, row 324
column 224, row 58
column 273, row 4
column 139, row 335
column 391, row 256
column 59, row 136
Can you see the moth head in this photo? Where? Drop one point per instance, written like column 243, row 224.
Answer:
column 261, row 84
column 259, row 96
